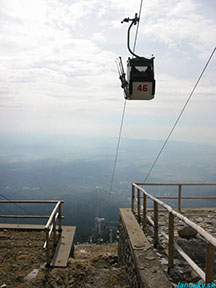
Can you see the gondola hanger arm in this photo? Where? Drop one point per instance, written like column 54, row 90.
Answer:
column 133, row 21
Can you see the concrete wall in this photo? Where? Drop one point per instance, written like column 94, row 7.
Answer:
column 135, row 252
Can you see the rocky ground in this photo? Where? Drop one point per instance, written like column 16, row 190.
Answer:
column 92, row 265
column 194, row 246
column 20, row 253
column 95, row 265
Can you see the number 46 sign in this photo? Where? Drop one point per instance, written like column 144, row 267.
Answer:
column 142, row 91
column 142, row 88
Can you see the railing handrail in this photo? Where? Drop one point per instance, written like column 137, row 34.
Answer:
column 176, row 184
column 180, row 186
column 50, row 227
column 52, row 214
column 30, row 201
column 25, row 216
column 196, row 227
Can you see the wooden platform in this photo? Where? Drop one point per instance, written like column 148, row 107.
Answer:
column 64, row 247
column 21, row 226
column 65, row 243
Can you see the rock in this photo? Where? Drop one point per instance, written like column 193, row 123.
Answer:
column 31, row 275
column 194, row 276
column 180, row 270
column 20, row 277
column 149, row 258
column 187, row 232
column 187, row 270
column 180, row 263
column 3, row 235
column 163, row 261
column 208, row 222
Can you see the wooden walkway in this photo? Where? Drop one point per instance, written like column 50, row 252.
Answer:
column 64, row 247
column 21, row 226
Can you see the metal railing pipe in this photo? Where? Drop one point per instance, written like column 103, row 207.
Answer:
column 179, row 197
column 60, row 216
column 24, row 216
column 29, row 201
column 155, row 224
column 170, row 244
column 53, row 214
column 144, row 212
column 138, row 203
column 196, row 227
column 210, row 263
column 176, row 184
column 132, row 198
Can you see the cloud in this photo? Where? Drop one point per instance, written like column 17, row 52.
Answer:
column 57, row 57
column 179, row 25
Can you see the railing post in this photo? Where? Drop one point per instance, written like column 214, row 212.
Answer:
column 209, row 263
column 138, row 204
column 170, row 244
column 54, row 232
column 47, row 247
column 155, row 224
column 60, row 217
column 179, row 197
column 144, row 212
column 132, row 198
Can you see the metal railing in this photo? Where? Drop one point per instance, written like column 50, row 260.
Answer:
column 207, row 276
column 180, row 197
column 51, row 226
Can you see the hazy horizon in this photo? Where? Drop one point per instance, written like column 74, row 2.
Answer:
column 61, row 101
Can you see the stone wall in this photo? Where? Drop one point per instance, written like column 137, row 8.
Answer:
column 135, row 252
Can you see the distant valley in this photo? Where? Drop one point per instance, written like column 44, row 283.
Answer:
column 79, row 171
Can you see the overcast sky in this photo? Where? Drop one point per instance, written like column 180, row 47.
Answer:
column 58, row 73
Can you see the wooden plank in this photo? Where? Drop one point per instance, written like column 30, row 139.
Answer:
column 21, row 226
column 64, row 246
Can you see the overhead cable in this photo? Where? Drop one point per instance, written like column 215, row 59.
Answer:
column 123, row 112
column 178, row 118
column 117, row 148
column 4, row 197
column 135, row 39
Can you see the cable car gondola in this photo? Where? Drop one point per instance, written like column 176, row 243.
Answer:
column 140, row 82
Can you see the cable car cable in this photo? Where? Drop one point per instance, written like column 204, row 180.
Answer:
column 135, row 39
column 8, row 211
column 123, row 112
column 4, row 197
column 178, row 118
column 117, row 148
